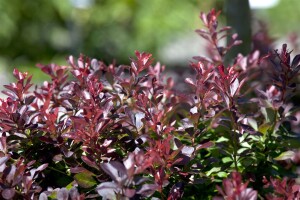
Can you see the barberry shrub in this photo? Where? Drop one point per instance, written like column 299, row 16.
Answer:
column 97, row 131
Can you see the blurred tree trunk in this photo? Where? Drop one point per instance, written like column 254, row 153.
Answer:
column 238, row 16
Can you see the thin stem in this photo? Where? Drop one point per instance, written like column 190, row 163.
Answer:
column 59, row 171
column 275, row 121
column 162, row 196
column 235, row 141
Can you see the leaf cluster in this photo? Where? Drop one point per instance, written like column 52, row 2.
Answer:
column 125, row 132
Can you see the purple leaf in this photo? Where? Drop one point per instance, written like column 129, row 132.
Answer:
column 186, row 150
column 67, row 153
column 129, row 164
column 176, row 191
column 43, row 196
column 3, row 160
column 129, row 192
column 130, row 115
column 63, row 194
column 76, row 170
column 9, row 173
column 234, row 86
column 74, row 194
column 29, row 100
column 205, row 145
column 108, row 190
column 89, row 162
column 8, row 193
column 138, row 120
column 42, row 167
column 295, row 61
column 190, row 81
column 147, row 189
column 115, row 170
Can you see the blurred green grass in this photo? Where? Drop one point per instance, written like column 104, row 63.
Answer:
column 48, row 31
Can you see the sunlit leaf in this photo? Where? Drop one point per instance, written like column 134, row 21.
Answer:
column 234, row 86
column 222, row 174
column 108, row 190
column 285, row 155
column 252, row 122
column 264, row 128
column 226, row 159
column 213, row 170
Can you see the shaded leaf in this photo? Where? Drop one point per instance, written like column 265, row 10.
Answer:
column 296, row 61
column 85, row 179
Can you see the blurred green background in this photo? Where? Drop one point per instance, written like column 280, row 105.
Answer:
column 46, row 31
